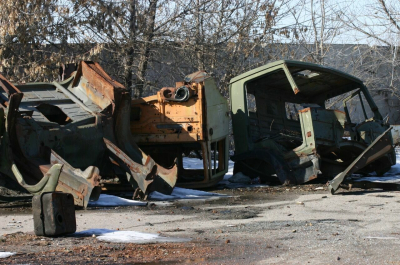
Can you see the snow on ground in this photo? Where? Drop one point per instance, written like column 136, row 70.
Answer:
column 184, row 194
column 195, row 163
column 6, row 254
column 106, row 200
column 189, row 194
column 225, row 183
column 178, row 193
column 128, row 236
column 392, row 176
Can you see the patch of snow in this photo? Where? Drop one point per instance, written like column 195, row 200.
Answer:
column 189, row 194
column 383, row 179
column 230, row 170
column 392, row 176
column 226, row 184
column 158, row 196
column 186, row 194
column 4, row 255
column 107, row 200
column 240, row 178
column 128, row 236
column 195, row 163
column 195, row 193
column 177, row 193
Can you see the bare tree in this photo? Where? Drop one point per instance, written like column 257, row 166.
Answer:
column 31, row 37
column 317, row 28
column 141, row 42
column 230, row 37
column 378, row 25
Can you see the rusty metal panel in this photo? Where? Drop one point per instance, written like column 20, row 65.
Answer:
column 96, row 84
column 149, row 176
column 156, row 118
column 193, row 116
column 53, row 138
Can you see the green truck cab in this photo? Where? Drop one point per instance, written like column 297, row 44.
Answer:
column 285, row 123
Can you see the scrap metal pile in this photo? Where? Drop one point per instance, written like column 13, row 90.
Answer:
column 68, row 136
column 74, row 135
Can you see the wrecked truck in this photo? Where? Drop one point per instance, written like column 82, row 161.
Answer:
column 293, row 120
column 69, row 136
column 188, row 120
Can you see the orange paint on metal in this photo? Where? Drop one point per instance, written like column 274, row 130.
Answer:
column 7, row 86
column 163, row 112
column 169, row 128
column 312, row 177
column 304, row 110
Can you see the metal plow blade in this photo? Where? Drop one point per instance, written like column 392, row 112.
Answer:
column 148, row 177
column 380, row 147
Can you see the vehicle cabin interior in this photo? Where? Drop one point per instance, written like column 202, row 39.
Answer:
column 275, row 108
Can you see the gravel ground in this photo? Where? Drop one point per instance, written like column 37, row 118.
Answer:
column 268, row 225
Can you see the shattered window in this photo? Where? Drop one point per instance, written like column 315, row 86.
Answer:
column 251, row 102
column 356, row 111
column 354, row 106
column 292, row 110
column 306, row 74
column 336, row 103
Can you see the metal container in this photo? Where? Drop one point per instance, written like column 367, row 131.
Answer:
column 53, row 214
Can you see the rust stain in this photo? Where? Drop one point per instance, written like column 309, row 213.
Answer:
column 312, row 177
column 176, row 118
column 112, row 122
column 305, row 110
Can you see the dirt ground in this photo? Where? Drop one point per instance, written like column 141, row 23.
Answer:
column 269, row 225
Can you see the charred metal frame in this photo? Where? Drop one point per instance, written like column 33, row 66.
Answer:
column 68, row 136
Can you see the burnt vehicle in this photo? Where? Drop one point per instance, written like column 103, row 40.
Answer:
column 283, row 125
column 68, row 136
column 190, row 119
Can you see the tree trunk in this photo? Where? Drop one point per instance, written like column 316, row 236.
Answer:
column 199, row 38
column 145, row 49
column 129, row 50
